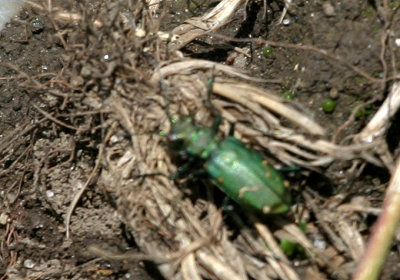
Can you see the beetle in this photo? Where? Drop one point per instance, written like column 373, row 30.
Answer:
column 241, row 173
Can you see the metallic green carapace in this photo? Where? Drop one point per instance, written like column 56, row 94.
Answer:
column 238, row 171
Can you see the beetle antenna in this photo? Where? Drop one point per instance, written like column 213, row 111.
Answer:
column 217, row 114
column 164, row 92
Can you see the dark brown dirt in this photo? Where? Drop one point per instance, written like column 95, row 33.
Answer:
column 45, row 163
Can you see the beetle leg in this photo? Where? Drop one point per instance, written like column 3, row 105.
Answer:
column 184, row 170
column 227, row 205
column 196, row 175
column 232, row 128
column 149, row 174
column 192, row 176
column 216, row 123
column 289, row 169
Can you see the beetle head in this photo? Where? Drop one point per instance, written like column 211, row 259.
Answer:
column 181, row 130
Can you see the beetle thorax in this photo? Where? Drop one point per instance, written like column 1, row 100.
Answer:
column 185, row 137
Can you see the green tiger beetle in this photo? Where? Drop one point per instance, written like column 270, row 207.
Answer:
column 241, row 173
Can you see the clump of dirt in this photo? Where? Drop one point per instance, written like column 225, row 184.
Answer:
column 87, row 91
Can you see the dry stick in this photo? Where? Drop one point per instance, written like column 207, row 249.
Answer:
column 246, row 95
column 189, row 268
column 238, row 91
column 348, row 152
column 78, row 195
column 268, row 237
column 379, row 124
column 383, row 232
column 189, row 66
column 331, row 234
column 216, row 266
column 221, row 269
column 362, row 209
column 198, row 26
column 285, row 9
column 351, row 237
column 156, row 258
column 281, row 267
column 269, row 257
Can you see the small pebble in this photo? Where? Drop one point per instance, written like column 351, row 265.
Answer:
column 49, row 193
column 334, row 93
column 328, row 9
column 3, row 219
column 29, row 263
column 319, row 244
column 37, row 25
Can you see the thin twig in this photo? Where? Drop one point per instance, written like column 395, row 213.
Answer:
column 61, row 123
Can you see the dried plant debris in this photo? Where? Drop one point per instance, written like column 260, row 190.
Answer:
column 85, row 165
